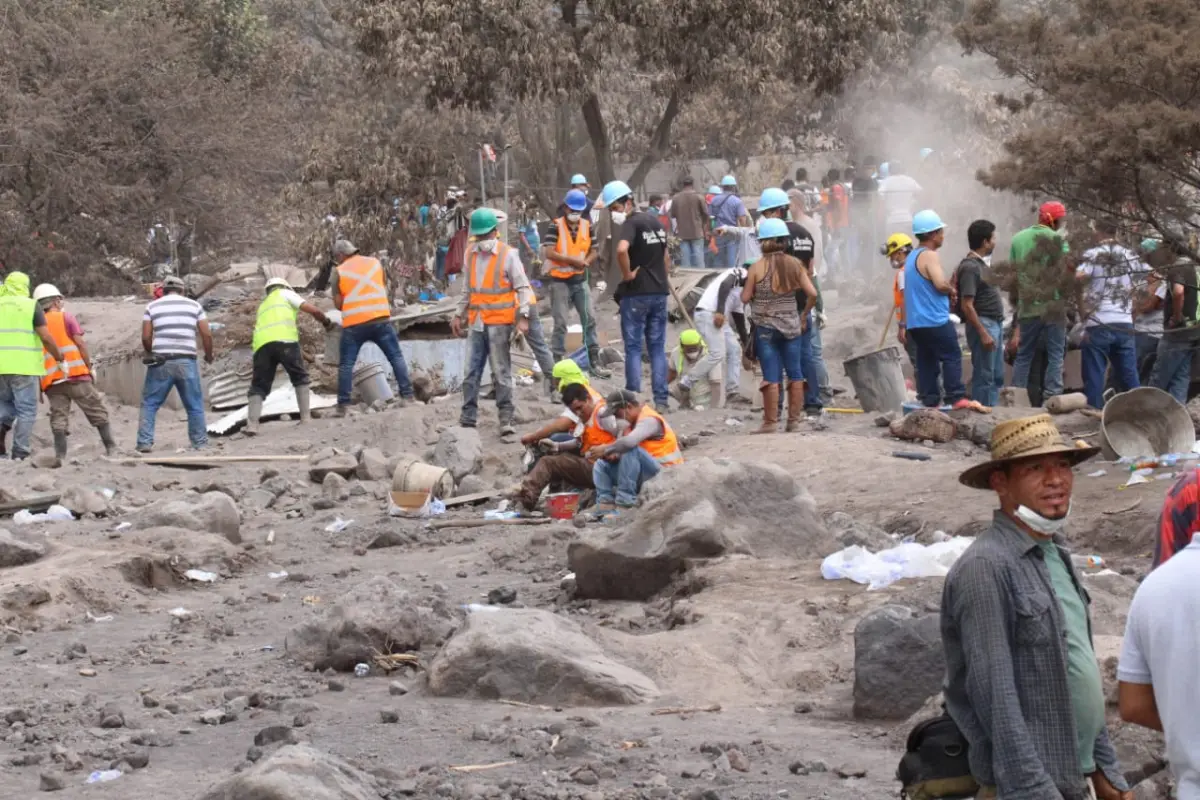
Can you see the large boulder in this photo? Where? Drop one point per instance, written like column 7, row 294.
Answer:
column 297, row 772
column 374, row 617
column 702, row 509
column 533, row 656
column 460, row 451
column 898, row 662
column 924, row 424
column 213, row 512
column 16, row 551
column 373, row 465
column 323, row 462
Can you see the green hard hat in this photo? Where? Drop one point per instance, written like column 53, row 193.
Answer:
column 483, row 220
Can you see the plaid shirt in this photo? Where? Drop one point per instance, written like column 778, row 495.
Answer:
column 1006, row 670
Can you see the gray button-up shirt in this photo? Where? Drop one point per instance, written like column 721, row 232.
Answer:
column 1006, row 670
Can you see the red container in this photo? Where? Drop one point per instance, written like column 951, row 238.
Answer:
column 562, row 505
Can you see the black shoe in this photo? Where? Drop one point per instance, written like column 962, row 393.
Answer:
column 465, row 424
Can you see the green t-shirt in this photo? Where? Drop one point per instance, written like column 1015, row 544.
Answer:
column 1083, row 673
column 1029, row 269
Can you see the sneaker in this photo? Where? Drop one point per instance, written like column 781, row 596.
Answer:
column 341, row 410
column 147, row 448
column 662, row 408
column 462, row 423
column 598, row 371
column 507, row 429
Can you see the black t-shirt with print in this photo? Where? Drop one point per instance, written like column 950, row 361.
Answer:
column 647, row 255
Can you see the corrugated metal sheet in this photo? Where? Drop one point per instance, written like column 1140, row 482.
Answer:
column 228, row 390
column 279, row 402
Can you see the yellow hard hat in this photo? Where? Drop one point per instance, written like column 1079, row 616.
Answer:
column 895, row 242
column 690, row 338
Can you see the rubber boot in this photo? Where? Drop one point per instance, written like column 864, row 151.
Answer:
column 795, row 402
column 594, row 366
column 60, row 448
column 716, row 390
column 253, row 412
column 106, row 438
column 770, row 394
column 4, row 429
column 304, row 403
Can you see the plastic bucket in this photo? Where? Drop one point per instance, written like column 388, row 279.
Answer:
column 371, row 382
column 1145, row 422
column 878, row 380
column 562, row 505
column 414, row 475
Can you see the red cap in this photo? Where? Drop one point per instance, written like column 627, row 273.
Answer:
column 1051, row 212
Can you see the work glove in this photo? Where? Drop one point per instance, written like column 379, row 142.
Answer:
column 821, row 320
column 548, row 446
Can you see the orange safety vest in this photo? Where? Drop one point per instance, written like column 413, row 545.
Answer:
column 363, row 290
column 576, row 248
column 72, row 358
column 898, row 297
column 491, row 294
column 665, row 450
column 593, row 434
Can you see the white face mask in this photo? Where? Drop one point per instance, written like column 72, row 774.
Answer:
column 573, row 217
column 487, row 245
column 618, row 217
column 1046, row 527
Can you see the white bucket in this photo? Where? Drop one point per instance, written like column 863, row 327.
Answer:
column 414, row 475
column 370, row 380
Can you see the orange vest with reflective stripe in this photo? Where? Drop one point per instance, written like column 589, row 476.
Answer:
column 364, row 293
column 898, row 297
column 593, row 434
column 665, row 450
column 576, row 248
column 491, row 294
column 72, row 358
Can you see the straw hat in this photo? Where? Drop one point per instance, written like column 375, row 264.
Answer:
column 1023, row 438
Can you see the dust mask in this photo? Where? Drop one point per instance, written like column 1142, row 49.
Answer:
column 573, row 217
column 487, row 245
column 1046, row 527
column 618, row 217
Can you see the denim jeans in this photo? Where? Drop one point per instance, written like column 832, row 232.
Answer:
column 490, row 344
column 182, row 374
column 625, row 475
column 723, row 348
column 1056, row 352
column 537, row 343
column 565, row 294
column 691, row 253
column 384, row 337
column 814, row 367
column 777, row 354
column 439, row 263
column 1104, row 345
column 18, row 409
column 1173, row 367
column 938, row 355
column 644, row 318
column 825, row 393
column 727, row 250
column 987, row 366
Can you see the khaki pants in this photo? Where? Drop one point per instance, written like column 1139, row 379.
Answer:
column 568, row 468
column 989, row 792
column 84, row 395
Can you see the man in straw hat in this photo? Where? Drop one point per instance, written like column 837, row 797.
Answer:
column 1022, row 682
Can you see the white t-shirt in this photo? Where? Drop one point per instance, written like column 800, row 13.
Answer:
column 712, row 292
column 294, row 300
column 1161, row 649
column 1152, row 323
column 1112, row 269
column 577, row 430
column 899, row 195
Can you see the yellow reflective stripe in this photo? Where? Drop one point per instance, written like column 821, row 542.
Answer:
column 489, row 306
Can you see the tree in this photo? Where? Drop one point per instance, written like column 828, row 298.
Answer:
column 1113, row 97
column 477, row 54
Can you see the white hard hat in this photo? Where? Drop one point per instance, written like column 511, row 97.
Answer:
column 45, row 291
column 277, row 282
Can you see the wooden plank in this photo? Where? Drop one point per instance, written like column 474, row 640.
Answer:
column 481, row 523
column 210, row 462
column 477, row 497
column 37, row 503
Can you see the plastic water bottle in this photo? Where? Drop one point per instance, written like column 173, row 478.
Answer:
column 362, row 670
column 1087, row 562
column 104, row 776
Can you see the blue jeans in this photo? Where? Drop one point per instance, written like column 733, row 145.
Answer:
column 537, row 343
column 825, row 394
column 691, row 253
column 439, row 263
column 938, row 354
column 18, row 409
column 644, row 318
column 182, row 374
column 1173, row 368
column 987, row 366
column 492, row 343
column 1056, row 352
column 626, row 475
column 1103, row 345
column 565, row 295
column 777, row 353
column 385, row 338
column 727, row 250
column 814, row 367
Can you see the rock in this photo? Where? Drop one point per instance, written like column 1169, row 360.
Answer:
column 470, row 484
column 15, row 551
column 275, row 734
column 587, row 777
column 533, row 656
column 80, row 501
column 702, row 509
column 138, row 758
column 374, row 616
column 373, row 465
column 51, row 782
column 297, row 772
column 302, row 720
column 850, row 772
column 329, row 460
column 898, row 662
column 502, row 596
column 258, row 499
column 335, row 488
column 850, row 532
column 214, row 716
column 390, row 538
column 111, row 717
column 459, row 450
column 884, row 420
column 45, row 459
column 738, row 760
column 335, row 686
column 922, row 424
column 396, row 689
column 213, row 512
column 389, row 716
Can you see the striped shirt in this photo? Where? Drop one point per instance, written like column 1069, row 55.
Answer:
column 175, row 319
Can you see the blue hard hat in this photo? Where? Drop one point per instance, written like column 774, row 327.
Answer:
column 926, row 221
column 576, row 200
column 771, row 228
column 714, row 189
column 773, row 198
column 578, row 178
column 729, row 180
column 614, row 191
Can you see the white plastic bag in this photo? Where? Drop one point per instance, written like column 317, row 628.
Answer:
column 907, row 560
column 53, row 514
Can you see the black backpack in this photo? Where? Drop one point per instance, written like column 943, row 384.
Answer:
column 935, row 762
